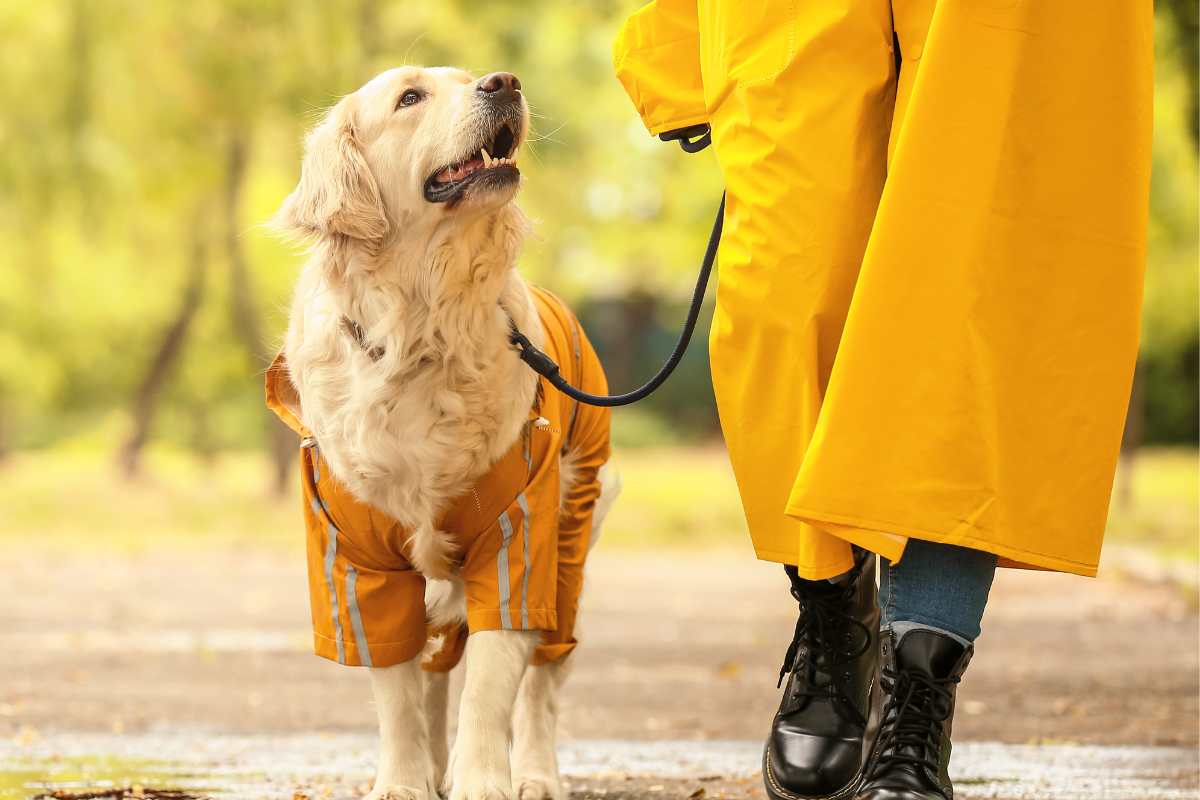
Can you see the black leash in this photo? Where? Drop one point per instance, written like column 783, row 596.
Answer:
column 692, row 140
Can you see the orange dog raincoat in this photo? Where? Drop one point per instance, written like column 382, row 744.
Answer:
column 522, row 550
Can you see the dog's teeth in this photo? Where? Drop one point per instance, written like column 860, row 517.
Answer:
column 487, row 157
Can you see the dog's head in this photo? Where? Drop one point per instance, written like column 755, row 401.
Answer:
column 412, row 144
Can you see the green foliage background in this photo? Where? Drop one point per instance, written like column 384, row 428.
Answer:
column 143, row 143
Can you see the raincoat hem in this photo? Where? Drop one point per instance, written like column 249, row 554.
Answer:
column 448, row 656
column 827, row 569
column 550, row 653
column 384, row 654
column 492, row 619
column 674, row 125
column 870, row 535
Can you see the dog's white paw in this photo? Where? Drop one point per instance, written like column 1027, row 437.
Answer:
column 540, row 787
column 477, row 784
column 481, row 791
column 399, row 793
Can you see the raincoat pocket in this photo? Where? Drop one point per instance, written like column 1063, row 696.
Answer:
column 746, row 42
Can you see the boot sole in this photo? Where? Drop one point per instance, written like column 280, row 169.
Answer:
column 776, row 792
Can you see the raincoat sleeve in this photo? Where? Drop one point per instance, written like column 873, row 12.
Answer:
column 657, row 59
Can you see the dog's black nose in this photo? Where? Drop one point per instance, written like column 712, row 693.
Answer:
column 499, row 86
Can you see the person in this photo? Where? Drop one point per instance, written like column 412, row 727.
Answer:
column 926, row 323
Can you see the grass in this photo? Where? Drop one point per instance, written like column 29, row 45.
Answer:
column 1157, row 504
column 76, row 499
column 673, row 496
column 677, row 496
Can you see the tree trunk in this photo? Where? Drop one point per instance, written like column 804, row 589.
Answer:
column 1131, row 440
column 167, row 354
column 204, row 444
column 631, row 352
column 246, row 324
column 4, row 446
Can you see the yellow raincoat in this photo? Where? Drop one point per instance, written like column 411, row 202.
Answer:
column 931, row 275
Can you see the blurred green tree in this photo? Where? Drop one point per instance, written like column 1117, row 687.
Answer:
column 142, row 144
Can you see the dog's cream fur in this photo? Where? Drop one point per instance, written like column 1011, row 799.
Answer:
column 435, row 397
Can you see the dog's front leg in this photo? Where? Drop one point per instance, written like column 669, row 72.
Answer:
column 534, row 763
column 437, row 703
column 406, row 769
column 496, row 661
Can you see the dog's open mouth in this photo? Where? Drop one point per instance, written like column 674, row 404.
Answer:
column 491, row 166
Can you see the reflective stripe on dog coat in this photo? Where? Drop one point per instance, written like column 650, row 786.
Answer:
column 522, row 549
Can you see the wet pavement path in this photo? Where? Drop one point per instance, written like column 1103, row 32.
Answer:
column 339, row 767
column 119, row 662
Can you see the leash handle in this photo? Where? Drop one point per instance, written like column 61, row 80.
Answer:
column 545, row 366
column 692, row 139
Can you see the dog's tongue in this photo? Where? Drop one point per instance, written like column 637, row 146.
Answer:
column 459, row 172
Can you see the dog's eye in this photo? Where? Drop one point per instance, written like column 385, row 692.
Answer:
column 409, row 98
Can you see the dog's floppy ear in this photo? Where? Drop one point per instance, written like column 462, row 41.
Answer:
column 337, row 195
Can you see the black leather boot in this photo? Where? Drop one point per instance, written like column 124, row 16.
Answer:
column 911, row 712
column 815, row 748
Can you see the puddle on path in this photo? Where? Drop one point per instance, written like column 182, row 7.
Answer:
column 22, row 778
column 339, row 766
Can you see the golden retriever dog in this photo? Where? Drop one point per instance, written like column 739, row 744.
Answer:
column 398, row 348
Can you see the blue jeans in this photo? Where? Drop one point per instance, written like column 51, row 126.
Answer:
column 938, row 586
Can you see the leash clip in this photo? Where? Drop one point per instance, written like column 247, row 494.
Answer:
column 538, row 361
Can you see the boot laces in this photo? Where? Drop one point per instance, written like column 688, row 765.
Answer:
column 911, row 732
column 823, row 619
